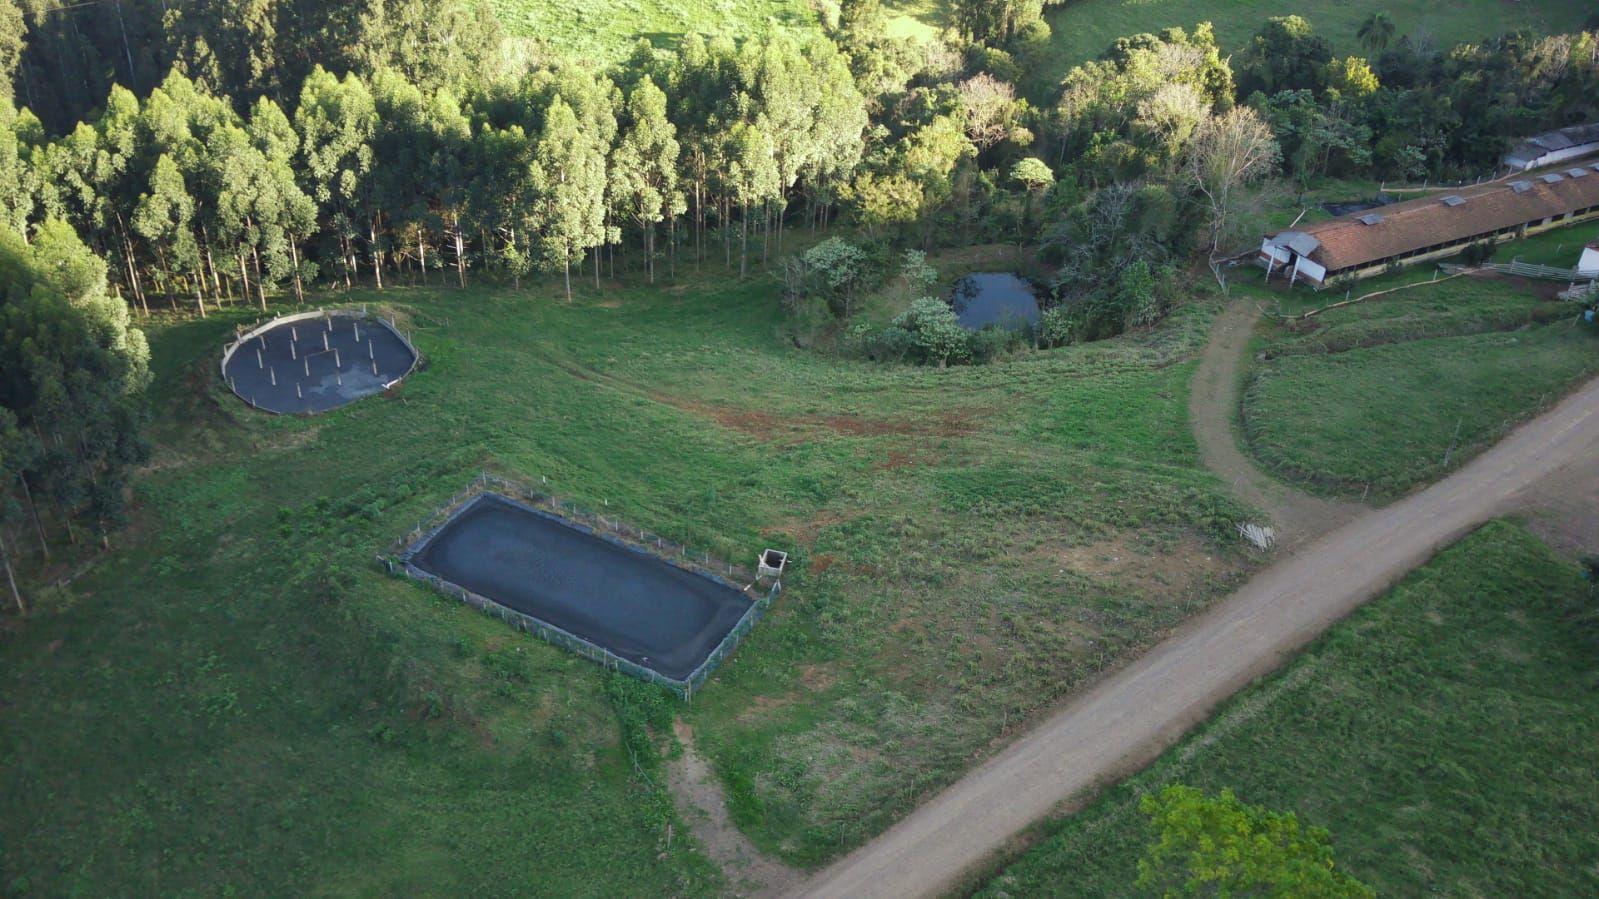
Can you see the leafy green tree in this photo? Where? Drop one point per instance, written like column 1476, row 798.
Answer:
column 995, row 21
column 336, row 120
column 17, row 451
column 752, row 177
column 1035, row 177
column 452, row 44
column 644, row 166
column 1131, row 112
column 1350, row 79
column 453, row 168
column 18, row 182
column 837, row 269
column 288, row 213
column 916, row 274
column 1207, row 846
column 12, row 30
column 164, row 218
column 1377, row 31
column 569, row 189
column 1285, row 54
column 75, row 374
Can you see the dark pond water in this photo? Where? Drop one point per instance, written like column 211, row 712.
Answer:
column 994, row 298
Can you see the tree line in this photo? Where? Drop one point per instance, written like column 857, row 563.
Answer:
column 195, row 200
column 241, row 173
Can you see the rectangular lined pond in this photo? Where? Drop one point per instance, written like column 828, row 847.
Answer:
column 605, row 593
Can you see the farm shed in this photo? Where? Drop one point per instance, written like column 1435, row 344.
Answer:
column 1553, row 147
column 1431, row 227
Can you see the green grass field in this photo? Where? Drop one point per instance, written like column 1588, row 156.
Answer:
column 1400, row 415
column 1389, row 394
column 235, row 698
column 606, row 30
column 1084, row 28
column 1445, row 734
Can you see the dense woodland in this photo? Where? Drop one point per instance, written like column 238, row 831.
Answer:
column 232, row 152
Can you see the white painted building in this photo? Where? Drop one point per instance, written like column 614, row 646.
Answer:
column 1553, row 146
column 1589, row 263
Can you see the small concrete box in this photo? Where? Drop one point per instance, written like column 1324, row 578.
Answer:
column 771, row 563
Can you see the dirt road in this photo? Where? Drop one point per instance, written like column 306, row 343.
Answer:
column 1129, row 717
column 1213, row 404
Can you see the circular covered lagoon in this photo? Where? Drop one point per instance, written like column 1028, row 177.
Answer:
column 316, row 361
column 999, row 299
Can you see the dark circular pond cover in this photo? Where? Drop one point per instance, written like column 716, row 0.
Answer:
column 316, row 363
column 994, row 298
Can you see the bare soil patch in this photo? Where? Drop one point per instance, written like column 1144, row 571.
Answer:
column 698, row 793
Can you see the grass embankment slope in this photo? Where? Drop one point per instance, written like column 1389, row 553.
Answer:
column 606, row 30
column 235, row 698
column 1083, row 29
column 1383, row 396
column 1445, row 734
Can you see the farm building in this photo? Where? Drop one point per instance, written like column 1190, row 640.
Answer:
column 1432, row 227
column 1553, row 147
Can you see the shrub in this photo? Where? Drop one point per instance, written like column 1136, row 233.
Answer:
column 990, row 343
column 995, row 62
column 1032, row 38
column 935, row 333
column 835, row 270
column 917, row 275
column 1055, row 327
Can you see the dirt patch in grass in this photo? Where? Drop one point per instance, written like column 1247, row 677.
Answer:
column 771, row 426
column 817, row 678
column 699, row 798
column 1170, row 570
column 806, row 530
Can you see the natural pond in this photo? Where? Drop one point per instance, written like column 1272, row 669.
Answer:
column 994, row 298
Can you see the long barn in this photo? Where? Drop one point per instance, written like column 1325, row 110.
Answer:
column 1433, row 227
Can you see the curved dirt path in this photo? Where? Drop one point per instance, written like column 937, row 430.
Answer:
column 1131, row 716
column 703, row 805
column 1213, row 399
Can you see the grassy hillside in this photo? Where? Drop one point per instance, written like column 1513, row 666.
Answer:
column 1084, row 28
column 605, row 30
column 1445, row 734
column 235, row 698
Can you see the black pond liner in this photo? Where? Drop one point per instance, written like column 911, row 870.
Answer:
column 315, row 361
column 604, row 598
column 1001, row 299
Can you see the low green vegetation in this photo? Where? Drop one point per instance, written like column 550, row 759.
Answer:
column 606, row 30
column 1084, row 28
column 1379, row 397
column 1445, row 735
column 969, row 546
column 1400, row 415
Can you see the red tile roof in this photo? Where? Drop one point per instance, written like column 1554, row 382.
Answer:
column 1350, row 242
